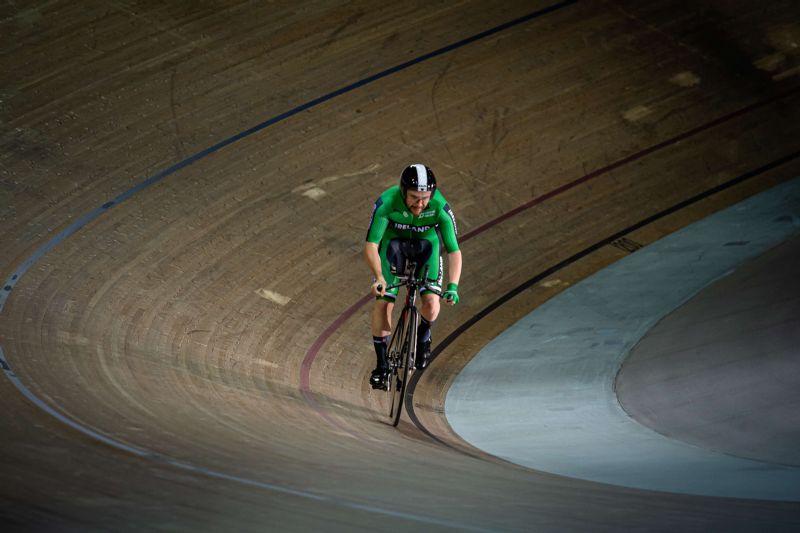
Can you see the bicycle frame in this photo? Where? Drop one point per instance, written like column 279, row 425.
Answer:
column 402, row 348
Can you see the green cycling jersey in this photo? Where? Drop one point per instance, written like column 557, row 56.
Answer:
column 392, row 220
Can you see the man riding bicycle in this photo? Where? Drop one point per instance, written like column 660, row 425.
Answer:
column 410, row 221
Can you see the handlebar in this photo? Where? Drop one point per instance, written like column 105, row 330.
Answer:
column 412, row 282
column 416, row 283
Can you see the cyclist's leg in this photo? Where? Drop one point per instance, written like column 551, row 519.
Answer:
column 382, row 311
column 430, row 306
column 382, row 318
column 381, row 329
column 382, row 322
column 430, row 300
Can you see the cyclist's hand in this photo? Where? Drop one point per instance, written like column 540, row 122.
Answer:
column 379, row 287
column 451, row 294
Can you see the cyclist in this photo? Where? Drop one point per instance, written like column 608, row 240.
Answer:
column 410, row 221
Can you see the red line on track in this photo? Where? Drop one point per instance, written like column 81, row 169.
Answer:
column 313, row 351
column 305, row 368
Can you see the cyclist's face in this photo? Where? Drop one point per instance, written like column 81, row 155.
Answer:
column 417, row 201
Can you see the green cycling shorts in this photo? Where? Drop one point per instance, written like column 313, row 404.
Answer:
column 423, row 252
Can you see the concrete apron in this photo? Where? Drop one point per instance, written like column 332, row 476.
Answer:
column 542, row 393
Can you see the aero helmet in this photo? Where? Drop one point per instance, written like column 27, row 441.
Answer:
column 417, row 178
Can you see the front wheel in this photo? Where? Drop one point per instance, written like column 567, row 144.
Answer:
column 404, row 356
column 393, row 357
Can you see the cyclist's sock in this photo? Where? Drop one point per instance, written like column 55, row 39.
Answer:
column 380, row 350
column 424, row 330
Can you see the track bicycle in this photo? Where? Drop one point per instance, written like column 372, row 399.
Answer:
column 402, row 349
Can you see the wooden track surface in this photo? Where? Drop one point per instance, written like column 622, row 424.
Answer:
column 153, row 323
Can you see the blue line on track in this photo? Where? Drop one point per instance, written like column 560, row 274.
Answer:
column 97, row 212
column 89, row 217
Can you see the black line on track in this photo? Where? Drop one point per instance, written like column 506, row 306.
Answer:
column 159, row 176
column 331, row 95
column 412, row 384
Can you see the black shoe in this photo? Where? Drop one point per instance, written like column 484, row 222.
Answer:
column 378, row 378
column 423, row 354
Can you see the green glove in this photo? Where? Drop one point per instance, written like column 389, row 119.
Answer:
column 451, row 293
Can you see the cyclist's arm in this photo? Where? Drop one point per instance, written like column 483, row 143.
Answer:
column 377, row 227
column 378, row 222
column 373, row 258
column 449, row 231
column 454, row 266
